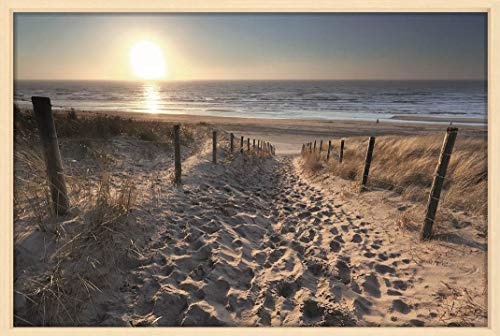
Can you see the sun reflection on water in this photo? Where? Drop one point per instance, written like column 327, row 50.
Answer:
column 151, row 97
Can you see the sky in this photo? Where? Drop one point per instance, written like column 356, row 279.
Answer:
column 253, row 46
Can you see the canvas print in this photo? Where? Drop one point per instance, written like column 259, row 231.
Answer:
column 259, row 169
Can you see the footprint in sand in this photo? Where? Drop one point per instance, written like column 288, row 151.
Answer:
column 335, row 246
column 339, row 239
column 356, row 238
column 169, row 303
column 362, row 306
column 372, row 286
column 344, row 272
column 400, row 306
column 383, row 269
column 393, row 292
column 369, row 254
column 400, row 285
column 316, row 267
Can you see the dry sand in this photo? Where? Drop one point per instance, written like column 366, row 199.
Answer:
column 288, row 135
column 252, row 242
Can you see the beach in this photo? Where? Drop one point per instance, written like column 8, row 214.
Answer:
column 295, row 169
column 254, row 240
column 289, row 134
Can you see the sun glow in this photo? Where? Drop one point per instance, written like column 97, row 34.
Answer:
column 147, row 61
column 151, row 97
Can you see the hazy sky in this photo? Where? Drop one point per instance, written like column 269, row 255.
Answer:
column 254, row 46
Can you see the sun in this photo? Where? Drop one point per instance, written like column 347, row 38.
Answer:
column 147, row 61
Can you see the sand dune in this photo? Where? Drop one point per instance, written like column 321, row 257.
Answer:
column 254, row 241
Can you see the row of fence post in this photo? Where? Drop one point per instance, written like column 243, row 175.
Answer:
column 437, row 184
column 311, row 147
column 42, row 109
column 256, row 145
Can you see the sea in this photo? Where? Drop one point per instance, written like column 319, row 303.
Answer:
column 293, row 99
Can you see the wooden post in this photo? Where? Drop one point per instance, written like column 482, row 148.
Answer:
column 214, row 147
column 341, row 155
column 177, row 154
column 314, row 146
column 437, row 184
column 248, row 144
column 241, row 144
column 53, row 162
column 320, row 146
column 231, row 142
column 310, row 147
column 253, row 140
column 302, row 150
column 329, row 149
column 368, row 162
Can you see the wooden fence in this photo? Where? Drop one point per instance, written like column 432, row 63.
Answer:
column 42, row 109
column 438, row 180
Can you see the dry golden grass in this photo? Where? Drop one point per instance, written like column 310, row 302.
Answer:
column 95, row 242
column 68, row 124
column 89, row 251
column 93, row 245
column 406, row 165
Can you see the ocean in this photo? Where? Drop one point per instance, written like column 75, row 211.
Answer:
column 333, row 100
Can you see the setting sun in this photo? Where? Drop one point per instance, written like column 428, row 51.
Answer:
column 147, row 61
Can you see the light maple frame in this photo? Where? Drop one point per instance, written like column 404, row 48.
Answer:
column 9, row 7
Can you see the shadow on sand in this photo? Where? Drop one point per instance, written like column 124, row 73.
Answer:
column 455, row 239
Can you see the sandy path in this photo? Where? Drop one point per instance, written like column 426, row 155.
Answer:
column 349, row 260
column 249, row 242
column 218, row 256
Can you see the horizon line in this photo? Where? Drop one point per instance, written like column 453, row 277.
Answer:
column 250, row 80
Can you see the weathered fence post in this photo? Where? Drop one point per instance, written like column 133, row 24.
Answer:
column 437, row 184
column 302, row 150
column 241, row 144
column 253, row 140
column 310, row 147
column 53, row 163
column 231, row 142
column 329, row 149
column 320, row 146
column 177, row 154
column 314, row 146
column 368, row 162
column 341, row 155
column 214, row 147
column 248, row 144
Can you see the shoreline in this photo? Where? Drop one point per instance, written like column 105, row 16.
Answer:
column 432, row 119
column 289, row 134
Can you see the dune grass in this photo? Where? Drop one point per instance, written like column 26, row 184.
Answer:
column 86, row 251
column 406, row 165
